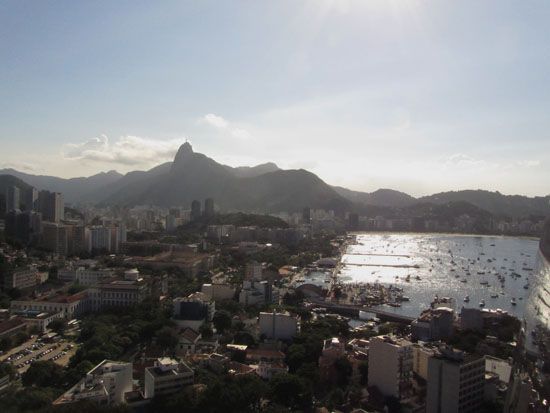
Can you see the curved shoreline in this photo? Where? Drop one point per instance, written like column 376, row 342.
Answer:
column 458, row 234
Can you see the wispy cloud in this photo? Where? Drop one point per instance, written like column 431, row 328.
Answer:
column 224, row 125
column 21, row 167
column 464, row 160
column 529, row 163
column 216, row 121
column 127, row 150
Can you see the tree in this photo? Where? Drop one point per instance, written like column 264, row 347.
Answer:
column 222, row 321
column 7, row 369
column 343, row 369
column 58, row 325
column 167, row 338
column 296, row 356
column 289, row 390
column 336, row 397
column 43, row 374
column 206, row 331
column 364, row 371
column 244, row 337
column 5, row 343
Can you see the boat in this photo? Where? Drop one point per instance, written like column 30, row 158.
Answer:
column 494, row 295
column 484, row 282
column 467, row 299
column 513, row 301
column 464, row 280
column 526, row 286
column 482, row 303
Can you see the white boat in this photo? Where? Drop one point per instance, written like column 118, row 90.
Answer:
column 482, row 303
column 467, row 299
column 513, row 301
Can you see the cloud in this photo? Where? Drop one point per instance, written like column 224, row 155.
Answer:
column 463, row 160
column 216, row 121
column 127, row 150
column 224, row 125
column 528, row 163
column 21, row 167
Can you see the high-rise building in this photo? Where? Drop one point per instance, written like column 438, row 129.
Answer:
column 209, row 208
column 195, row 210
column 391, row 365
column 13, row 198
column 456, row 382
column 51, row 205
column 76, row 238
column 29, row 199
column 98, row 238
column 54, row 238
column 25, row 227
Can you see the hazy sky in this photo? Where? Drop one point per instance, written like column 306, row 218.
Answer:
column 420, row 96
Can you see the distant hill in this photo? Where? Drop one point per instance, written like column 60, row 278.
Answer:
column 252, row 171
column 11, row 180
column 495, row 202
column 380, row 197
column 196, row 176
column 266, row 189
column 73, row 189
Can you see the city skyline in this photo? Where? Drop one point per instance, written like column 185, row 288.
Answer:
column 417, row 97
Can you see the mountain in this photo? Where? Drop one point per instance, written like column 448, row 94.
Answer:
column 252, row 171
column 73, row 189
column 380, row 197
column 495, row 202
column 265, row 188
column 11, row 180
column 196, row 176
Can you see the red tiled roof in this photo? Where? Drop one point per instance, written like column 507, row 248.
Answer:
column 11, row 324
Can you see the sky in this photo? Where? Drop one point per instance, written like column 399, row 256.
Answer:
column 418, row 96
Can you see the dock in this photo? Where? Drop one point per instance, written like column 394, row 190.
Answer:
column 350, row 310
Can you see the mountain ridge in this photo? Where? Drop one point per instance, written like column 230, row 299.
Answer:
column 264, row 187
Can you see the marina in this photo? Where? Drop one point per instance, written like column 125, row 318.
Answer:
column 378, row 269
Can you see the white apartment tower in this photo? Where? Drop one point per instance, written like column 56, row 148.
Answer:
column 391, row 365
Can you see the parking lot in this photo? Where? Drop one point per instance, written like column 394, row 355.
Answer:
column 23, row 356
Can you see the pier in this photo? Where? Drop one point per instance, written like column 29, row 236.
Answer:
column 351, row 310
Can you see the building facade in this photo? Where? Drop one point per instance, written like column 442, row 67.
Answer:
column 391, row 365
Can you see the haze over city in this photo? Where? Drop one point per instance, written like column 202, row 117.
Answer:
column 416, row 96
